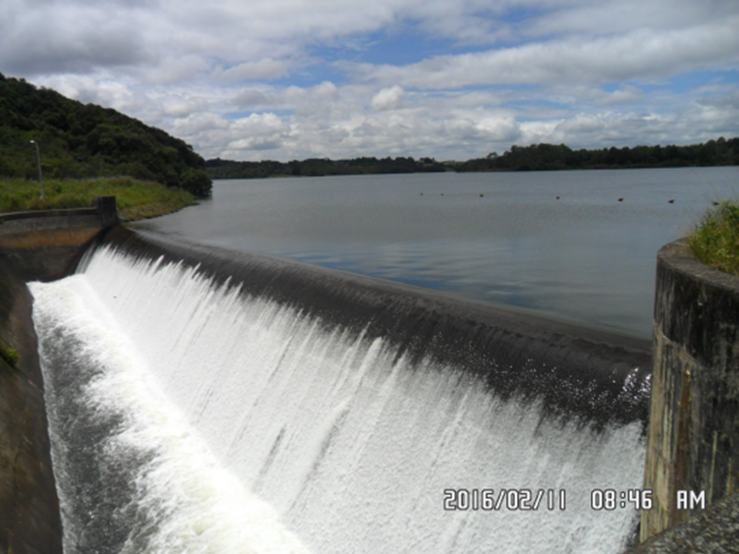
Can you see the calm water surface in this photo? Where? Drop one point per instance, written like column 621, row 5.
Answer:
column 497, row 237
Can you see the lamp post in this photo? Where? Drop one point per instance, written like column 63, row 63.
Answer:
column 38, row 160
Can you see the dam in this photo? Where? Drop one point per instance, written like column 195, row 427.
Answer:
column 202, row 400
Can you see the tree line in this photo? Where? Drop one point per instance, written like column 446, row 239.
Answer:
column 85, row 140
column 537, row 157
column 548, row 157
column 319, row 167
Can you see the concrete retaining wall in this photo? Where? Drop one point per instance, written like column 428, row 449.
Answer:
column 33, row 246
column 693, row 438
column 44, row 245
column 29, row 510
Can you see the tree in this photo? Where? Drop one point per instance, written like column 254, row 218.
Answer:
column 197, row 182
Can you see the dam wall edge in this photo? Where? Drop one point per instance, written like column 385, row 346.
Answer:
column 693, row 438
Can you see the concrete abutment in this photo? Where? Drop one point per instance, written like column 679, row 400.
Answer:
column 693, row 437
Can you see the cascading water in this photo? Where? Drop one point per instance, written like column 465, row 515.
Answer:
column 188, row 415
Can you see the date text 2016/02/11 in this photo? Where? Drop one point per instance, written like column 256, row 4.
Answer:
column 505, row 499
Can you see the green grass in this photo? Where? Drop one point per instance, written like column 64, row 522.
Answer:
column 715, row 239
column 135, row 199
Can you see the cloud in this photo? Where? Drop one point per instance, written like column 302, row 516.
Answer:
column 614, row 17
column 624, row 94
column 296, row 78
column 727, row 99
column 635, row 55
column 258, row 132
column 173, row 70
column 69, row 39
column 199, row 123
column 98, row 88
column 388, row 98
column 263, row 69
column 500, row 128
column 253, row 99
column 448, row 126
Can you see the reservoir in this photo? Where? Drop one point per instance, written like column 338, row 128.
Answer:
column 560, row 243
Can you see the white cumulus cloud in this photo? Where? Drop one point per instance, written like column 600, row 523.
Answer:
column 289, row 79
column 388, row 98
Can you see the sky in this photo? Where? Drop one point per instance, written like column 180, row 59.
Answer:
column 450, row 79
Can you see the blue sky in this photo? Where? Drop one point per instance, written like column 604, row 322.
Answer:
column 452, row 79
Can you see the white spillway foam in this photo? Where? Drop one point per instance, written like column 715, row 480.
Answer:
column 186, row 500
column 352, row 447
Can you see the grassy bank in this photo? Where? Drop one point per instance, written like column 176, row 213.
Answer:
column 715, row 239
column 136, row 199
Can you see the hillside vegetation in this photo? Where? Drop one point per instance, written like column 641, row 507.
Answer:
column 79, row 140
column 134, row 199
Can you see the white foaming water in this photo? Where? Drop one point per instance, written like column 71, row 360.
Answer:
column 183, row 499
column 242, row 399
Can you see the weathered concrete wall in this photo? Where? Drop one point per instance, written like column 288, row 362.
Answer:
column 33, row 246
column 29, row 509
column 45, row 245
column 693, row 437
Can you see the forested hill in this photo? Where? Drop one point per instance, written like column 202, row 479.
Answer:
column 84, row 140
column 537, row 157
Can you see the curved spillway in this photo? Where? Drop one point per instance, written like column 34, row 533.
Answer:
column 206, row 401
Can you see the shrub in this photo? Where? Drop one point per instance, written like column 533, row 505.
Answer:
column 715, row 240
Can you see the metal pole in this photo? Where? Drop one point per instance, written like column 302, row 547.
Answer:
column 38, row 160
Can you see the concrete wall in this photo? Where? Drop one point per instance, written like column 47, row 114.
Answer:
column 45, row 245
column 33, row 246
column 29, row 509
column 693, row 438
